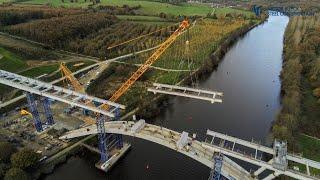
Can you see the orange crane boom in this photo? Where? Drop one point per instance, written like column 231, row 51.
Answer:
column 143, row 68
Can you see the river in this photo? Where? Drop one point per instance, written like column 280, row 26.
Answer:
column 248, row 76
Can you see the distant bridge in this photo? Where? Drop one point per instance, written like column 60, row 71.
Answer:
column 204, row 151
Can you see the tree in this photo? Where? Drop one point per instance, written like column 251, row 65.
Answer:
column 24, row 159
column 6, row 150
column 16, row 174
column 316, row 92
column 3, row 168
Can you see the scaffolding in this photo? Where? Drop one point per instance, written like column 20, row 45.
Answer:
column 34, row 111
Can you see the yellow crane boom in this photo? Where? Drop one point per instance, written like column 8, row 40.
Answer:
column 69, row 76
column 136, row 75
column 143, row 68
column 77, row 87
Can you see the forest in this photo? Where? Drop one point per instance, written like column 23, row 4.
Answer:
column 91, row 34
column 300, row 77
column 58, row 31
column 10, row 15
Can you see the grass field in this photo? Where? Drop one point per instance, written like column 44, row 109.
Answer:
column 10, row 61
column 310, row 148
column 147, row 7
column 140, row 18
column 37, row 71
column 4, row 1
column 146, row 20
column 155, row 8
column 57, row 3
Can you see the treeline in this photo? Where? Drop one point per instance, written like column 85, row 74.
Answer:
column 300, row 80
column 96, row 44
column 91, row 33
column 58, row 31
column 172, row 1
column 11, row 15
column 124, row 10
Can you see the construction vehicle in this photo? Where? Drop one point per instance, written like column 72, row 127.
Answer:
column 24, row 112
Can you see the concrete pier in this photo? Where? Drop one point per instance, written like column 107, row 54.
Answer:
column 115, row 156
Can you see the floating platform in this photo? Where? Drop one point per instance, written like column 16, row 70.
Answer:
column 212, row 96
column 115, row 155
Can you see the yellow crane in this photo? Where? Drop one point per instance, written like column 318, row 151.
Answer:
column 136, row 75
column 69, row 76
column 77, row 87
column 143, row 68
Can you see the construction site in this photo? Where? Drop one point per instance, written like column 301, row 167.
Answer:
column 89, row 97
column 39, row 123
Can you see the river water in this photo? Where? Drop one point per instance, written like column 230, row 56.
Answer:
column 248, row 76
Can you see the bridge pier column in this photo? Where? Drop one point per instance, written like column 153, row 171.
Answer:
column 102, row 138
column 119, row 137
column 215, row 173
column 34, row 111
column 280, row 160
column 47, row 110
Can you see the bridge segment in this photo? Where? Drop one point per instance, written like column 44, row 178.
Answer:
column 204, row 151
column 230, row 148
column 57, row 93
column 168, row 138
column 212, row 96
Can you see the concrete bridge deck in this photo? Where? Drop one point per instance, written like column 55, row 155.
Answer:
column 168, row 138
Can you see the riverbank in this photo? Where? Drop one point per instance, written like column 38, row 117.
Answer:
column 300, row 88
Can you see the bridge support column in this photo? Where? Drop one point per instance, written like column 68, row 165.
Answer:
column 102, row 138
column 47, row 110
column 280, row 160
column 215, row 173
column 119, row 137
column 34, row 111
